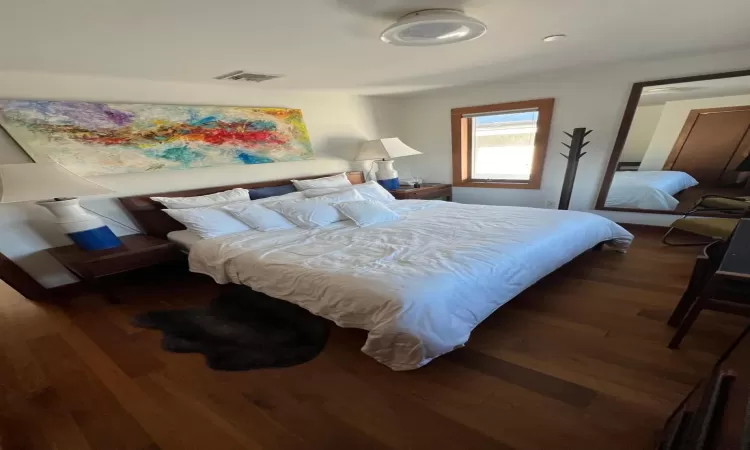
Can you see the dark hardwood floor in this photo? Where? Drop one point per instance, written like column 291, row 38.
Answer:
column 579, row 361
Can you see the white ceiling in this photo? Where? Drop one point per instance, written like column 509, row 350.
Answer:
column 333, row 44
column 721, row 87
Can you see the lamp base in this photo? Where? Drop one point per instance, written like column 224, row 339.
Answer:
column 86, row 231
column 390, row 185
column 387, row 176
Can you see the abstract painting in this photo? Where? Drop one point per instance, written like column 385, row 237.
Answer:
column 106, row 138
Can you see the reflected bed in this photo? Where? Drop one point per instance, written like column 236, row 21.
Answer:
column 648, row 189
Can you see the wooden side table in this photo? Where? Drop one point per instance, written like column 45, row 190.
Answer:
column 427, row 191
column 136, row 252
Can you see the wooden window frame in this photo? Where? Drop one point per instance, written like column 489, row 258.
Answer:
column 462, row 143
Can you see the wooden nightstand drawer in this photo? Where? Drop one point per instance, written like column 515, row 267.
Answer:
column 425, row 192
column 136, row 252
column 125, row 263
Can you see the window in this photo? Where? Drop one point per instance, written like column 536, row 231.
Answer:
column 501, row 146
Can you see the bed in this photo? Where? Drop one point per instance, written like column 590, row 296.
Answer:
column 648, row 189
column 418, row 285
column 184, row 239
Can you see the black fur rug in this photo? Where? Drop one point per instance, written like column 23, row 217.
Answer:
column 241, row 330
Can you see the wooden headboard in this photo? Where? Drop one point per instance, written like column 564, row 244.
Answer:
column 147, row 213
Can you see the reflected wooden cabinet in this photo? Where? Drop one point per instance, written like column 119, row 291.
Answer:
column 712, row 144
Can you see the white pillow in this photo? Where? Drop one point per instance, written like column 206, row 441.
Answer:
column 370, row 190
column 367, row 212
column 219, row 198
column 337, row 196
column 317, row 192
column 280, row 198
column 314, row 212
column 339, row 180
column 374, row 191
column 208, row 222
column 258, row 216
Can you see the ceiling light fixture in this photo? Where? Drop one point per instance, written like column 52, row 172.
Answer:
column 555, row 37
column 433, row 27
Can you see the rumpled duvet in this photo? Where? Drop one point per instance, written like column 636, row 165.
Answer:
column 419, row 285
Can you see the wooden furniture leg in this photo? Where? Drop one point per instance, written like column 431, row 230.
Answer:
column 103, row 289
column 698, row 279
column 691, row 315
column 685, row 325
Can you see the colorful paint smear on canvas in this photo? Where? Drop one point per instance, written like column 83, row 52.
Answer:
column 101, row 138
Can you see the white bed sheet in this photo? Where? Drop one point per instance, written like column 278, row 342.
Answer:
column 184, row 238
column 418, row 285
column 648, row 189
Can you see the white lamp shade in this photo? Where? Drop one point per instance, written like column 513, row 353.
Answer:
column 387, row 148
column 43, row 181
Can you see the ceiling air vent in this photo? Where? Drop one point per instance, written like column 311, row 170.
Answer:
column 241, row 75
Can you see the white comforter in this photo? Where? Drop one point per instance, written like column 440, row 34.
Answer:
column 420, row 284
column 648, row 189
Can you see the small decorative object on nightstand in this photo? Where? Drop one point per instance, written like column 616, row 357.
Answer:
column 426, row 191
column 136, row 252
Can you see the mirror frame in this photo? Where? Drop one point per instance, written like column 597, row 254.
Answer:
column 622, row 135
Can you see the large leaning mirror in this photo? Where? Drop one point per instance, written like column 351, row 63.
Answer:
column 681, row 140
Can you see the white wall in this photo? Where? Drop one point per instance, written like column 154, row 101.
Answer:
column 641, row 131
column 672, row 120
column 594, row 98
column 337, row 124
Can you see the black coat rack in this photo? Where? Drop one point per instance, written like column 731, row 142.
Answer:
column 576, row 145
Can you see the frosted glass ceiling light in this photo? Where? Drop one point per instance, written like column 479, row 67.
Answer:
column 433, row 27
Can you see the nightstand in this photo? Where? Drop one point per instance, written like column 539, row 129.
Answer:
column 427, row 191
column 136, row 252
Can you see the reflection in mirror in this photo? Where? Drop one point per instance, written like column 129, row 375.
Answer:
column 687, row 140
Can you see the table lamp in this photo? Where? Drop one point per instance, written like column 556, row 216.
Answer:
column 384, row 150
column 55, row 188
